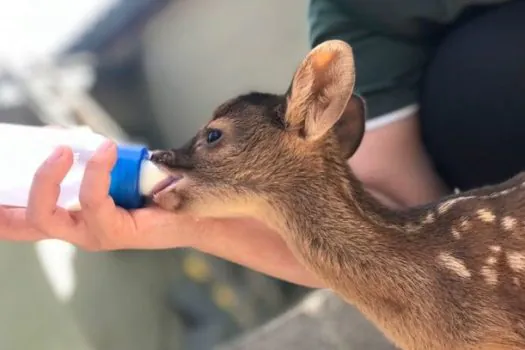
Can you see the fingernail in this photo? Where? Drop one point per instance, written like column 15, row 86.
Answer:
column 56, row 155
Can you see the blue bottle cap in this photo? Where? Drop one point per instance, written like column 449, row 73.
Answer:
column 125, row 176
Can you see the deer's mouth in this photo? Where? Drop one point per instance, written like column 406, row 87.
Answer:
column 177, row 178
column 171, row 193
column 167, row 184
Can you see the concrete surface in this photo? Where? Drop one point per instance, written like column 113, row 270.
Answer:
column 320, row 321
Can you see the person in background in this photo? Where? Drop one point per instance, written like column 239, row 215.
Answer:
column 444, row 84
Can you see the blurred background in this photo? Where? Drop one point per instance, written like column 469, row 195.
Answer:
column 149, row 71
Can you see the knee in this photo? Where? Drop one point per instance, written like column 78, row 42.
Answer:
column 471, row 98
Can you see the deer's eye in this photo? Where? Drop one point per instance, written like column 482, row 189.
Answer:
column 213, row 136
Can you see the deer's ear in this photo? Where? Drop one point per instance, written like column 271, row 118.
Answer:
column 321, row 89
column 350, row 128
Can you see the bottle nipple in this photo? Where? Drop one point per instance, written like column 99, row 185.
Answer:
column 150, row 177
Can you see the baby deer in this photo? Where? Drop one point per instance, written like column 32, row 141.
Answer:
column 448, row 275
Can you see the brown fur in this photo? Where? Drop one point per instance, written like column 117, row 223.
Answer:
column 445, row 276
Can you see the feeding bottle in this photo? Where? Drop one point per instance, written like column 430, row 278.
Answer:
column 24, row 148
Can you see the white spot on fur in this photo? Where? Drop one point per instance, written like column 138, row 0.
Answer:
column 456, row 233
column 486, row 215
column 495, row 248
column 445, row 206
column 509, row 223
column 490, row 275
column 411, row 227
column 465, row 224
column 503, row 193
column 516, row 281
column 491, row 260
column 454, row 264
column 516, row 261
column 430, row 218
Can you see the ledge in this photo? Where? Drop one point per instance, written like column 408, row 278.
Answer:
column 321, row 321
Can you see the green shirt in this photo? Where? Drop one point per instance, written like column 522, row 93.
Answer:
column 392, row 42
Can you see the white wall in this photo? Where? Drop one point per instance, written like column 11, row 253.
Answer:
column 199, row 53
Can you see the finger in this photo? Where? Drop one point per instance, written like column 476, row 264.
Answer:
column 45, row 189
column 97, row 206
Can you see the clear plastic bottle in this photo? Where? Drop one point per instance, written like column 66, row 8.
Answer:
column 24, row 148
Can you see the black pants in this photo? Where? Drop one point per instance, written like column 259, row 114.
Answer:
column 473, row 99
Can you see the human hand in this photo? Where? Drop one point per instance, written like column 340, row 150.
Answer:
column 99, row 225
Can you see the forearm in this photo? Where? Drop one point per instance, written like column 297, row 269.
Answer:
column 263, row 251
column 393, row 165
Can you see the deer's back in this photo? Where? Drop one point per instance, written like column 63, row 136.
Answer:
column 459, row 273
column 474, row 245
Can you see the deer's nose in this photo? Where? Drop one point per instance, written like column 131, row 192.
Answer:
column 164, row 157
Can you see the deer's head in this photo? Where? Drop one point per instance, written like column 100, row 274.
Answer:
column 259, row 146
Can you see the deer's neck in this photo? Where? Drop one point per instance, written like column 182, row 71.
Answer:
column 358, row 246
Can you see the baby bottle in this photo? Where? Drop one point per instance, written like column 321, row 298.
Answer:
column 24, row 148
